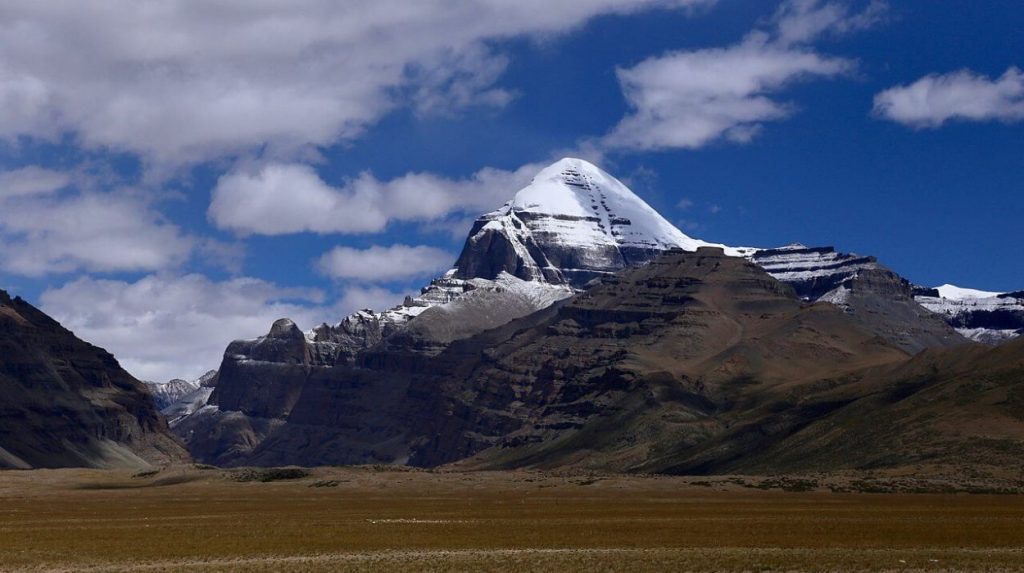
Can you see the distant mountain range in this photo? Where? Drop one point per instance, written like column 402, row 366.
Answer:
column 506, row 361
column 578, row 328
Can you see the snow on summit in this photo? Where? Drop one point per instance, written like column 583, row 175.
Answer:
column 582, row 205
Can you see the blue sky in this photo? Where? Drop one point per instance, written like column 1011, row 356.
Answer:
column 162, row 194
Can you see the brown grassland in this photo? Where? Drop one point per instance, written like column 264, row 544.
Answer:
column 193, row 519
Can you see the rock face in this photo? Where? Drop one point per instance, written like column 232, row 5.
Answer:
column 66, row 403
column 987, row 317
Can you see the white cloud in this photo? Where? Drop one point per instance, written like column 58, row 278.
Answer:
column 380, row 264
column 182, row 81
column 291, row 198
column 31, row 180
column 375, row 298
column 169, row 327
column 802, row 21
column 442, row 87
column 42, row 231
column 691, row 99
column 964, row 95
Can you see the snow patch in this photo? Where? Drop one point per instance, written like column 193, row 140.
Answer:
column 953, row 292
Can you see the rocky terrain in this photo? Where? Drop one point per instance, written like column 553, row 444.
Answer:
column 188, row 402
column 66, row 403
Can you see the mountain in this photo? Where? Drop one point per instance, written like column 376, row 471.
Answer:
column 652, row 360
column 347, row 393
column 195, row 395
column 167, row 393
column 988, row 317
column 66, row 403
column 571, row 224
column 821, row 273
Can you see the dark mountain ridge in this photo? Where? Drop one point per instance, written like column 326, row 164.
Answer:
column 646, row 364
column 66, row 403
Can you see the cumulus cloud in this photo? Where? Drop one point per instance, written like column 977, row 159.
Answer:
column 44, row 231
column 189, row 80
column 282, row 198
column 380, row 264
column 178, row 327
column 964, row 95
column 690, row 99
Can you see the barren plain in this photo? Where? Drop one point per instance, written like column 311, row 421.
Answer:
column 192, row 518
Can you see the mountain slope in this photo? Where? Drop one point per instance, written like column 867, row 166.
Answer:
column 943, row 412
column 66, row 403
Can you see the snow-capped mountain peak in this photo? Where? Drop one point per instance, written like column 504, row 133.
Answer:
column 572, row 223
column 167, row 393
column 588, row 206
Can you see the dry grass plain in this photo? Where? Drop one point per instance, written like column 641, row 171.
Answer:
column 189, row 519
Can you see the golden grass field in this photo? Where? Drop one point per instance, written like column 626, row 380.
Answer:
column 189, row 519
